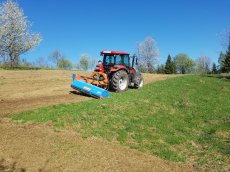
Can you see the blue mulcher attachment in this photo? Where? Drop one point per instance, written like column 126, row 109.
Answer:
column 82, row 86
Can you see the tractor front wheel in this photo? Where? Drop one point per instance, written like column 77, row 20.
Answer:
column 120, row 81
column 140, row 83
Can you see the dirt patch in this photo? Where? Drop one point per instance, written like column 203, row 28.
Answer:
column 20, row 105
column 26, row 90
column 8, row 165
column 33, row 147
column 148, row 78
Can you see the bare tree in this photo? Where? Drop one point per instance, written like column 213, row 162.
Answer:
column 4, row 60
column 225, row 38
column 15, row 34
column 41, row 62
column 203, row 65
column 25, row 63
column 55, row 57
column 148, row 53
column 92, row 63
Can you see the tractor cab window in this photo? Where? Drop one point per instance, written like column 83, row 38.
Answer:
column 108, row 59
column 126, row 60
column 118, row 60
column 122, row 60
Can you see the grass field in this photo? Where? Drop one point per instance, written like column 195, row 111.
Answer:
column 184, row 119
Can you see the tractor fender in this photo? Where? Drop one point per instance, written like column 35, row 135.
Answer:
column 117, row 68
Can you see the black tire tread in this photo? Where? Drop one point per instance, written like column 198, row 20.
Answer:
column 115, row 80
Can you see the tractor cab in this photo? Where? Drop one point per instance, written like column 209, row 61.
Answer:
column 116, row 60
column 112, row 58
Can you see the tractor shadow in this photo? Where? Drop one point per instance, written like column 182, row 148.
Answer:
column 114, row 91
column 79, row 93
column 132, row 88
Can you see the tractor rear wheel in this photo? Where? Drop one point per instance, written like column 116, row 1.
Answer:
column 120, row 81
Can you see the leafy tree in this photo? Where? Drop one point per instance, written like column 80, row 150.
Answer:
column 203, row 65
column 214, row 68
column 141, row 68
column 55, row 57
column 84, row 62
column 169, row 67
column 151, row 68
column 65, row 64
column 148, row 53
column 226, row 61
column 184, row 63
column 15, row 35
column 160, row 69
column 221, row 61
column 174, row 66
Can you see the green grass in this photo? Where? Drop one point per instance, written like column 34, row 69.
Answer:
column 184, row 119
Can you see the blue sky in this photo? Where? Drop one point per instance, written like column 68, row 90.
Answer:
column 89, row 26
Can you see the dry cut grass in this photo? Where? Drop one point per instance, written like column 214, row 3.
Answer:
column 26, row 90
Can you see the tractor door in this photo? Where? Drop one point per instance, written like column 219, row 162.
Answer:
column 126, row 60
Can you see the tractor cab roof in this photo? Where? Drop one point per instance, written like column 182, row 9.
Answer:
column 113, row 53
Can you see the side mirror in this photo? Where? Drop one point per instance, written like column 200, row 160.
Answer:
column 99, row 62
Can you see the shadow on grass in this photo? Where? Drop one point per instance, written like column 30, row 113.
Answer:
column 222, row 77
column 79, row 93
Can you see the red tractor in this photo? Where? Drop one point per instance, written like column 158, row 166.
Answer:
column 116, row 72
column 120, row 69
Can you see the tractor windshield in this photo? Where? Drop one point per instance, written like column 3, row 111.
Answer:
column 109, row 60
column 116, row 60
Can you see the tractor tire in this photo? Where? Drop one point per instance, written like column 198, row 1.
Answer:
column 140, row 83
column 120, row 81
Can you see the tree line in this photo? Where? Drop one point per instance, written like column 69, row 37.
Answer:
column 85, row 61
column 55, row 60
column 148, row 55
column 183, row 64
column 16, row 39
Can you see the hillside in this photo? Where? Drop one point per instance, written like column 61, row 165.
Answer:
column 184, row 119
